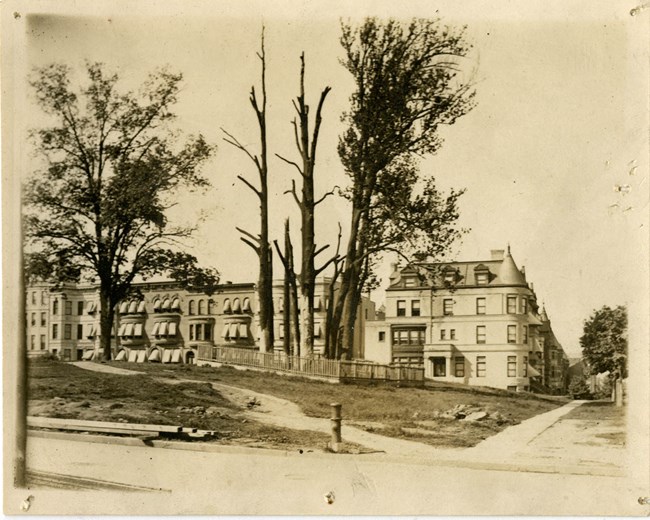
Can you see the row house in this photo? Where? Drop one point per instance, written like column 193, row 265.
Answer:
column 162, row 322
column 474, row 323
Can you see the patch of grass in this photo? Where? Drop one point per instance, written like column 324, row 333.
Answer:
column 392, row 406
column 62, row 390
column 598, row 411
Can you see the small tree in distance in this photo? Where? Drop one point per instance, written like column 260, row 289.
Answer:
column 604, row 344
column 112, row 168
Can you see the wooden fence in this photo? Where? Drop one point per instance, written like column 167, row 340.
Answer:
column 320, row 368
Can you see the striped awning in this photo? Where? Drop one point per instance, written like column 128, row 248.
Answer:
column 121, row 330
column 141, row 307
column 88, row 355
column 133, row 356
column 133, row 307
column 128, row 330
column 176, row 304
column 226, row 306
column 236, row 306
column 171, row 331
column 176, row 355
column 532, row 372
column 142, row 356
column 234, row 331
column 243, row 330
column 167, row 356
column 137, row 330
column 120, row 355
column 225, row 331
column 318, row 331
column 124, row 307
column 154, row 355
column 246, row 307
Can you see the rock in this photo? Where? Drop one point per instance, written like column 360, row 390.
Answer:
column 85, row 404
column 475, row 416
column 114, row 406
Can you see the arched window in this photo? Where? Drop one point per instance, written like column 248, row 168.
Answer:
column 176, row 304
column 166, row 304
column 190, row 308
column 156, row 305
column 55, row 307
column 210, row 306
column 226, row 306
column 133, row 307
column 246, row 306
column 124, row 307
column 201, row 307
column 236, row 306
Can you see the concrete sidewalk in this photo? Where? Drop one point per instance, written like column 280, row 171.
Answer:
column 106, row 369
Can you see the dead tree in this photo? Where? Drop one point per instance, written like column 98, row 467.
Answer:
column 260, row 243
column 291, row 322
column 307, row 204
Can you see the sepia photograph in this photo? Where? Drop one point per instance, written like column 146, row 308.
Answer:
column 303, row 257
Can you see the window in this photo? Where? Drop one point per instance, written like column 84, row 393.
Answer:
column 211, row 306
column 512, row 305
column 382, row 335
column 482, row 278
column 68, row 308
column 43, row 319
column 34, row 298
column 480, row 334
column 447, row 306
column 459, row 367
column 408, row 336
column 524, row 306
column 480, row 366
column 512, row 366
column 452, row 334
column 207, row 332
column 415, row 307
column 450, row 276
column 55, row 307
column 33, row 318
column 80, row 308
column 191, row 332
column 480, row 305
column 443, row 334
column 55, row 331
column 201, row 308
column 512, row 388
column 525, row 366
column 32, row 343
column 401, row 307
column 67, row 331
column 80, row 331
column 525, row 334
column 190, row 309
column 439, row 367
column 512, row 333
column 42, row 297
column 409, row 282
column 198, row 331
column 42, row 341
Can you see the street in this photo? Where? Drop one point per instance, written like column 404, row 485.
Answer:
column 234, row 480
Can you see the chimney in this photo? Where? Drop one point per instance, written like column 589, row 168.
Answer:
column 497, row 254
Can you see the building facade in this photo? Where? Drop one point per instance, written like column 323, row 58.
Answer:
column 163, row 323
column 474, row 323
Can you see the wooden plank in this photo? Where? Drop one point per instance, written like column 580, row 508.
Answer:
column 51, row 422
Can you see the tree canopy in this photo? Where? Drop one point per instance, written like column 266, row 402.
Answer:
column 112, row 167
column 604, row 341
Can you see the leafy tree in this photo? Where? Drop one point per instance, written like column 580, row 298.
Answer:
column 604, row 341
column 578, row 387
column 408, row 83
column 112, row 167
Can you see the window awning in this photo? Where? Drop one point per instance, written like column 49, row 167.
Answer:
column 120, row 332
column 226, row 330
column 234, row 332
column 317, row 330
column 166, row 304
column 154, row 355
column 236, row 305
column 137, row 330
column 141, row 307
column 533, row 320
column 156, row 305
column 142, row 356
column 133, row 307
column 172, row 329
column 92, row 307
column 120, row 355
column 124, row 307
column 226, row 305
column 176, row 304
column 167, row 356
column 318, row 303
column 128, row 329
column 133, row 356
column 532, row 372
column 162, row 331
column 88, row 355
column 91, row 331
column 243, row 331
column 176, row 355
column 246, row 307
column 156, row 327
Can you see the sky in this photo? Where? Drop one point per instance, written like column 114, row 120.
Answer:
column 560, row 122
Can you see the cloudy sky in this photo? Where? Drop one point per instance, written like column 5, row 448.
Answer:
column 560, row 122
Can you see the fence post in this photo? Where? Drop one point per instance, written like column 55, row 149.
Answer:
column 336, row 427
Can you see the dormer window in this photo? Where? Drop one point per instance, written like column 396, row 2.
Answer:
column 481, row 275
column 410, row 281
column 450, row 276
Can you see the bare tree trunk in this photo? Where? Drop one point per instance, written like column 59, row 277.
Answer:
column 291, row 324
column 106, row 316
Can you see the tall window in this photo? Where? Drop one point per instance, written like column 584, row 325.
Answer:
column 512, row 366
column 33, row 318
column 55, row 331
column 512, row 333
column 524, row 305
column 511, row 304
column 480, row 366
column 43, row 318
column 80, row 331
column 68, row 308
column 452, row 334
column 459, row 366
column 198, row 331
column 33, row 298
column 480, row 305
column 525, row 366
column 480, row 334
column 191, row 332
column 80, row 308
column 207, row 332
column 32, row 342
column 190, row 308
column 447, row 306
column 415, row 307
column 443, row 334
column 525, row 334
column 439, row 367
column 67, row 331
column 55, row 307
column 42, row 341
column 382, row 335
column 42, row 297
column 201, row 308
column 401, row 307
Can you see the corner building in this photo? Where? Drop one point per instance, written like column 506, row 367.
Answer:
column 474, row 323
